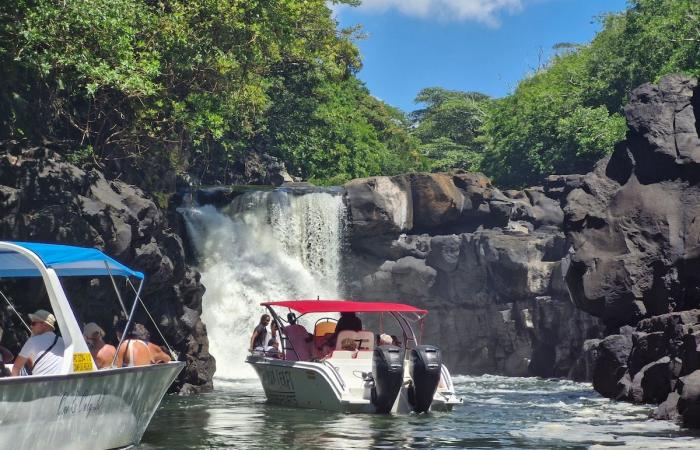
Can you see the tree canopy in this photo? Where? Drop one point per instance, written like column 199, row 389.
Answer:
column 567, row 115
column 195, row 85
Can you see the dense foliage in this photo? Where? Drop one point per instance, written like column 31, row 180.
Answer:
column 195, row 85
column 150, row 89
column 448, row 127
column 567, row 115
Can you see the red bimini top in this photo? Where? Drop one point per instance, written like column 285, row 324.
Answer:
column 316, row 306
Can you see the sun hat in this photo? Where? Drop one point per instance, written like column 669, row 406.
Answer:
column 44, row 316
column 92, row 328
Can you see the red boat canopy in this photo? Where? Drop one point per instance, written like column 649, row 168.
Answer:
column 315, row 306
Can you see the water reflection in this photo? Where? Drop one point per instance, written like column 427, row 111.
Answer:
column 498, row 412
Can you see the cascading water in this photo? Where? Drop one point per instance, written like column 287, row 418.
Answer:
column 271, row 245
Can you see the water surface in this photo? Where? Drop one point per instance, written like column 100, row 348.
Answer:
column 498, row 412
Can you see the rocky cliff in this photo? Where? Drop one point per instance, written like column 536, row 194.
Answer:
column 486, row 263
column 634, row 224
column 45, row 199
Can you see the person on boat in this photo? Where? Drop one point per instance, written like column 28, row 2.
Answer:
column 300, row 340
column 136, row 350
column 385, row 339
column 42, row 354
column 347, row 321
column 273, row 344
column 259, row 337
column 102, row 352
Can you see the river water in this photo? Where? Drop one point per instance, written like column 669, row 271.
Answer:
column 498, row 412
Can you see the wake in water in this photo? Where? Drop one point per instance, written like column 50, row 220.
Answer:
column 263, row 246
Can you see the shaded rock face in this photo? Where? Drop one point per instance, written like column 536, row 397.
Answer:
column 43, row 199
column 486, row 264
column 633, row 221
column 635, row 259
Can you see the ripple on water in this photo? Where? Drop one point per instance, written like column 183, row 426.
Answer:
column 498, row 412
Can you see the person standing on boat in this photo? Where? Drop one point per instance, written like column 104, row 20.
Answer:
column 259, row 337
column 102, row 352
column 42, row 354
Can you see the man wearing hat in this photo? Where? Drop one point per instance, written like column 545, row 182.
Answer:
column 42, row 354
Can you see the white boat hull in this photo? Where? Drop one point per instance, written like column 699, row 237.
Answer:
column 334, row 385
column 103, row 409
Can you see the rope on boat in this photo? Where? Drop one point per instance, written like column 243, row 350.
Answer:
column 138, row 297
column 16, row 312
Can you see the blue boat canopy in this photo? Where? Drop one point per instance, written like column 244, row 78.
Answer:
column 66, row 260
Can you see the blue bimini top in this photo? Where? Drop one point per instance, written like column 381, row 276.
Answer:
column 66, row 260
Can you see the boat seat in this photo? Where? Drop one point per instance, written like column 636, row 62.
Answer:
column 367, row 338
column 323, row 328
column 363, row 338
column 343, row 354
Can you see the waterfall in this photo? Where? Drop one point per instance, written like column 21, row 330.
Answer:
column 265, row 245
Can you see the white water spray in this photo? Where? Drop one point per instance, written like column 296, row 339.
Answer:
column 263, row 246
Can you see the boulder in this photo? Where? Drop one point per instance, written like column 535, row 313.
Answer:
column 45, row 199
column 689, row 401
column 611, row 364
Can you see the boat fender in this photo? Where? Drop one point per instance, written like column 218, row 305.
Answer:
column 424, row 367
column 387, row 373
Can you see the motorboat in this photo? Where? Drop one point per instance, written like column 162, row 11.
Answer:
column 319, row 370
column 80, row 407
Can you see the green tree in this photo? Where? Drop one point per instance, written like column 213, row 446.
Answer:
column 146, row 89
column 565, row 117
column 448, row 127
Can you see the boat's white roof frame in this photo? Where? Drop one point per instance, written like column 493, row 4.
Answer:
column 75, row 346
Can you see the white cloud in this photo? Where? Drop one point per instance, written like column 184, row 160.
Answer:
column 485, row 11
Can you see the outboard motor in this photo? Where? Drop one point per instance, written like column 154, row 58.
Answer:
column 424, row 367
column 387, row 372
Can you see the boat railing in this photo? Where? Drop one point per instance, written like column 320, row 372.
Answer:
column 335, row 373
column 448, row 379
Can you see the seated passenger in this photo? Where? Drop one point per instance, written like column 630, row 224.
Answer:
column 101, row 352
column 385, row 339
column 136, row 350
column 42, row 354
column 347, row 321
column 273, row 346
column 158, row 355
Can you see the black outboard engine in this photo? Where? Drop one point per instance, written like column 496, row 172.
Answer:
column 425, row 368
column 387, row 372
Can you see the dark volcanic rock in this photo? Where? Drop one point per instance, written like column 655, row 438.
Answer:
column 636, row 250
column 633, row 220
column 44, row 199
column 689, row 401
column 611, row 364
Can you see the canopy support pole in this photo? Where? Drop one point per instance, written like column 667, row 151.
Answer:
column 116, row 289
column 128, row 324
column 138, row 297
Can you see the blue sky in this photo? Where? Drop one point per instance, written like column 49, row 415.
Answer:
column 469, row 45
